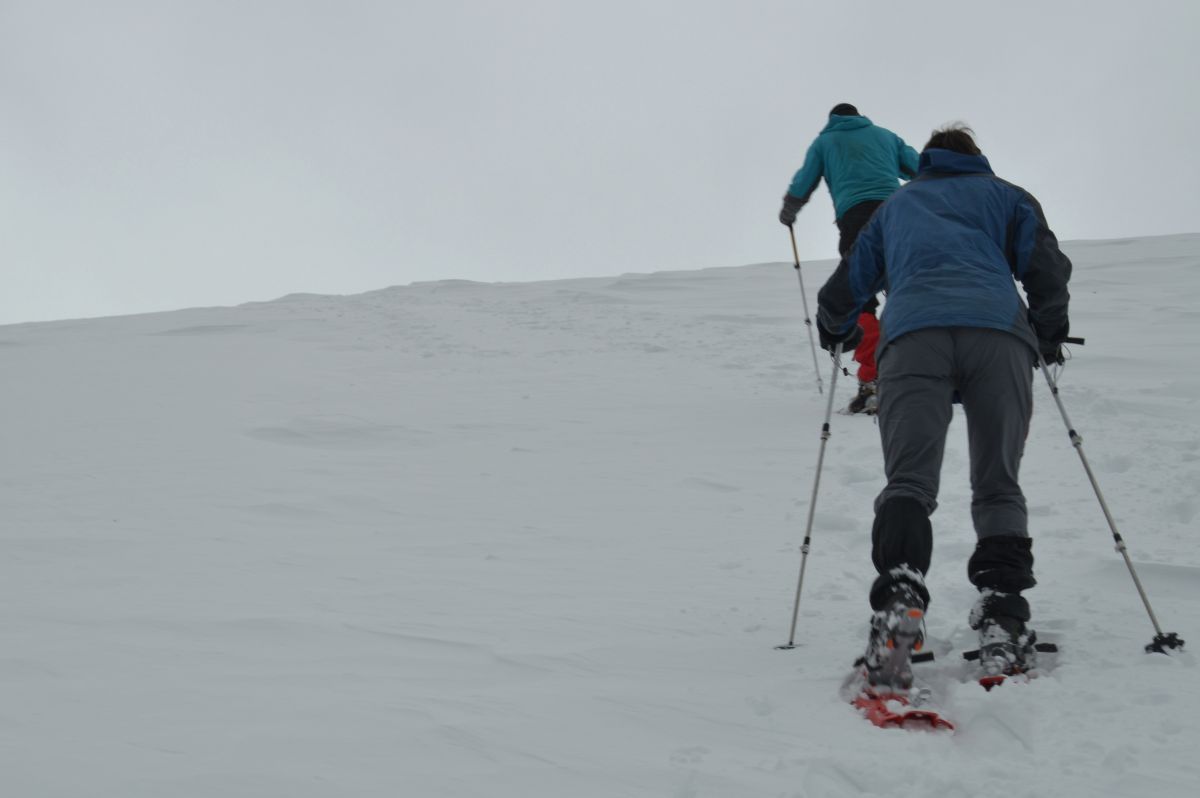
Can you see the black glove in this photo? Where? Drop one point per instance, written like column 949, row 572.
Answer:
column 849, row 340
column 791, row 207
column 1050, row 339
column 1052, row 353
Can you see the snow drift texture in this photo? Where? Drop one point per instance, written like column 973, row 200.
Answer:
column 540, row 540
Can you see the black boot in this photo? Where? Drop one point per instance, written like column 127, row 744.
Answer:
column 1006, row 644
column 897, row 630
column 866, row 401
column 1001, row 567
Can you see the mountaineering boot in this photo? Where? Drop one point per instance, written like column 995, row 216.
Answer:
column 866, row 401
column 1006, row 645
column 897, row 630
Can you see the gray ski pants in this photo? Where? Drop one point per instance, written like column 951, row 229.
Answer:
column 919, row 375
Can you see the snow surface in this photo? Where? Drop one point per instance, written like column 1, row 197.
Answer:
column 541, row 540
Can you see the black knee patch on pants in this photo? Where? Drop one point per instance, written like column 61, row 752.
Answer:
column 1002, row 563
column 901, row 539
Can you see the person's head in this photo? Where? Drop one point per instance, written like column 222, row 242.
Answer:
column 844, row 109
column 956, row 138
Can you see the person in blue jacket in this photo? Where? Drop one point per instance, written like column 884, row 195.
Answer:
column 946, row 247
column 862, row 164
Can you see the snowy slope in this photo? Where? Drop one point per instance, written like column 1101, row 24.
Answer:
column 540, row 540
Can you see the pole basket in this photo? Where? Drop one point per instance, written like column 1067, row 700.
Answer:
column 1164, row 641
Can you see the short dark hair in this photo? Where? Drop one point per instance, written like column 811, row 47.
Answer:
column 844, row 109
column 956, row 137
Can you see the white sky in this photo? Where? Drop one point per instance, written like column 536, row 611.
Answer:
column 157, row 154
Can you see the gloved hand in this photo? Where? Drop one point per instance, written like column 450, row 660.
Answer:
column 791, row 206
column 1052, row 353
column 1051, row 335
column 849, row 340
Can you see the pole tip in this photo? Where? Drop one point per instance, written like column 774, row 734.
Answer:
column 785, row 647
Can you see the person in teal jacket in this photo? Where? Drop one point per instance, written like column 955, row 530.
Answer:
column 860, row 161
column 862, row 164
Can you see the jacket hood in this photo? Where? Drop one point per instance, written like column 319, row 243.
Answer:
column 845, row 123
column 948, row 161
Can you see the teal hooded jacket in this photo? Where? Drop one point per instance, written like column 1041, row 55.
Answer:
column 860, row 161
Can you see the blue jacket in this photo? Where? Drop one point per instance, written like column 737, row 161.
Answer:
column 946, row 248
column 858, row 160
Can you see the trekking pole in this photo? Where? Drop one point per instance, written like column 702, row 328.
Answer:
column 812, row 504
column 1162, row 641
column 807, row 320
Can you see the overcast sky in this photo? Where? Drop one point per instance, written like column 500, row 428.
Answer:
column 159, row 154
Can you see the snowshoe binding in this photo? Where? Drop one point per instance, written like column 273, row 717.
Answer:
column 1007, row 647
